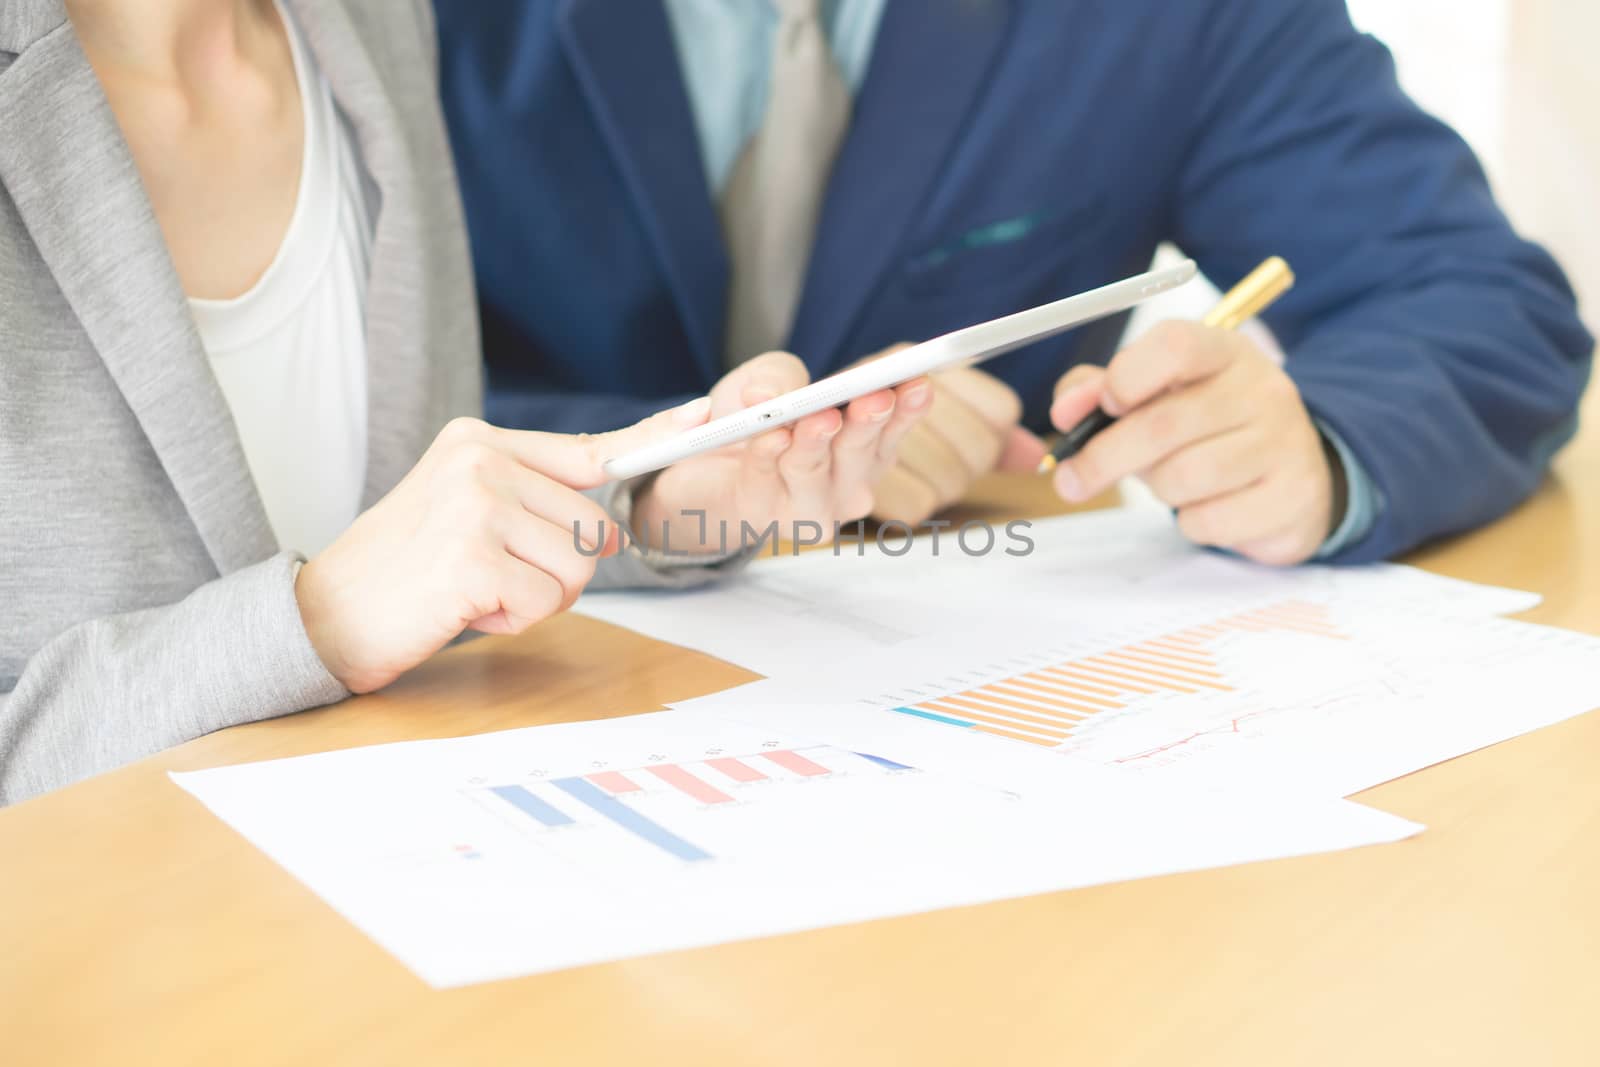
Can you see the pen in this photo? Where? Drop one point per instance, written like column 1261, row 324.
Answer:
column 1242, row 303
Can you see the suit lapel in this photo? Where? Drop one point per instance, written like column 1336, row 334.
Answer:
column 85, row 207
column 624, row 58
column 929, row 67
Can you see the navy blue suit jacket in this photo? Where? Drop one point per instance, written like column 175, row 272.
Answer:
column 1004, row 153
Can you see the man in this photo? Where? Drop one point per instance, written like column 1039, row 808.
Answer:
column 659, row 189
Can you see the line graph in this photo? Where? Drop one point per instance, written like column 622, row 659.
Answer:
column 1231, row 727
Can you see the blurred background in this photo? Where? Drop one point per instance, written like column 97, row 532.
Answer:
column 1520, row 81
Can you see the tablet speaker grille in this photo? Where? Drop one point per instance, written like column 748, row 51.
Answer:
column 709, row 438
column 832, row 398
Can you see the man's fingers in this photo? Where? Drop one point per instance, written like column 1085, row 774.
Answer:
column 1078, row 393
column 926, row 454
column 1278, row 550
column 1022, row 453
column 1214, row 467
column 1077, row 377
column 901, row 496
column 968, row 431
column 1170, row 355
column 1150, row 434
column 1259, row 514
column 990, row 397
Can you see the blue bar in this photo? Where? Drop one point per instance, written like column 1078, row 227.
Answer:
column 936, row 718
column 886, row 764
column 529, row 804
column 587, row 792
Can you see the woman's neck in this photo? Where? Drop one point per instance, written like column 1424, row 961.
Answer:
column 206, row 96
column 180, row 43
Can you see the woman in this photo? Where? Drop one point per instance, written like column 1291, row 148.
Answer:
column 236, row 311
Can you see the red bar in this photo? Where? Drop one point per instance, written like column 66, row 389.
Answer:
column 737, row 770
column 615, row 782
column 684, row 782
column 797, row 763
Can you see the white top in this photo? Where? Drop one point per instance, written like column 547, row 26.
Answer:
column 291, row 354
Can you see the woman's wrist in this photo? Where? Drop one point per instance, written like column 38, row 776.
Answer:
column 661, row 530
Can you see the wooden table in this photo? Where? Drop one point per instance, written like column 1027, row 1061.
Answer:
column 136, row 928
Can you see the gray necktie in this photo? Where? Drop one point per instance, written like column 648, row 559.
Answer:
column 774, row 196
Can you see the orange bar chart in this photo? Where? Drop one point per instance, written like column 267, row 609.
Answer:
column 1046, row 705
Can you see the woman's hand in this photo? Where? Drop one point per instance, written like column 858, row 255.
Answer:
column 487, row 532
column 820, row 470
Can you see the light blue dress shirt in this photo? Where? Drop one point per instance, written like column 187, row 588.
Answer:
column 725, row 52
column 1363, row 505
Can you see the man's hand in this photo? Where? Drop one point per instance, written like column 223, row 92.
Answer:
column 820, row 470
column 1217, row 430
column 971, row 430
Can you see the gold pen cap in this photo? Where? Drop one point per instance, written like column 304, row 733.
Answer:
column 1252, row 295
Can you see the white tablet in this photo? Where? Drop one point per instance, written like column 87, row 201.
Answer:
column 962, row 348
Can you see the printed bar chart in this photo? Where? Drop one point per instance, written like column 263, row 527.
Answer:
column 640, row 800
column 615, row 782
column 609, row 807
column 886, row 764
column 689, row 785
column 738, row 770
column 1047, row 705
column 533, row 806
column 793, row 761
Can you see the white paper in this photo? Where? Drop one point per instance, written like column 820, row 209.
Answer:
column 517, row 853
column 793, row 616
column 786, row 616
column 1200, row 687
column 1186, row 710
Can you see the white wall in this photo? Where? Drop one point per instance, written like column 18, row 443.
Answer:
column 1552, row 138
column 1453, row 57
column 1521, row 80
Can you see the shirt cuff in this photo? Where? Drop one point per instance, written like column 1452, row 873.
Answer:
column 1364, row 502
column 618, row 500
